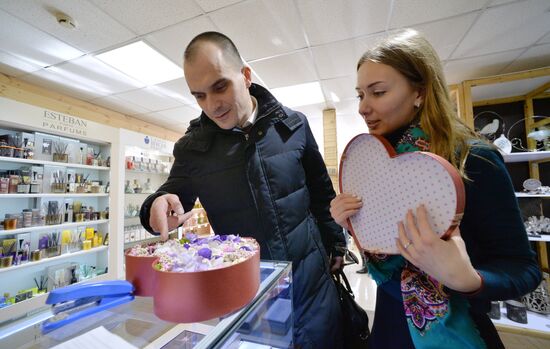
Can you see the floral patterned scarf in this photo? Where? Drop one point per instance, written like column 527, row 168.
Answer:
column 435, row 317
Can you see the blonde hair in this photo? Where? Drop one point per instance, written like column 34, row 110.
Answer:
column 412, row 55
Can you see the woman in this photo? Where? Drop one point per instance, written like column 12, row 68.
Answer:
column 436, row 293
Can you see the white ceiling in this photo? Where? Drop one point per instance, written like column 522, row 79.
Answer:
column 286, row 42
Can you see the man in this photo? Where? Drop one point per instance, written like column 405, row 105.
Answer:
column 257, row 170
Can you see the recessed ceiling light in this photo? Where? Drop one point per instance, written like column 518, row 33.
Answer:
column 297, row 95
column 141, row 62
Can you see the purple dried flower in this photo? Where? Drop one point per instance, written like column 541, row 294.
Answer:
column 205, row 252
column 246, row 248
column 186, row 245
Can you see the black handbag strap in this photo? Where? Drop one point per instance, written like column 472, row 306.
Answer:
column 341, row 276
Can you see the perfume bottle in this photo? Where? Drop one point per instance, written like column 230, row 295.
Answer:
column 137, row 188
column 127, row 188
column 147, row 188
column 80, row 159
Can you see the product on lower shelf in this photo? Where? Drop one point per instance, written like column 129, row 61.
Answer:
column 278, row 317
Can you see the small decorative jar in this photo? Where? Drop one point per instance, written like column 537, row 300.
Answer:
column 516, row 311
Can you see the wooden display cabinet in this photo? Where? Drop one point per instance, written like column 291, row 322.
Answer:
column 528, row 94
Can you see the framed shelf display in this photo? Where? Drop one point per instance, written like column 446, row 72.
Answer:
column 519, row 104
column 146, row 164
column 55, row 199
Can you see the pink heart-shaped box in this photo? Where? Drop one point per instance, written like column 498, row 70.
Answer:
column 391, row 184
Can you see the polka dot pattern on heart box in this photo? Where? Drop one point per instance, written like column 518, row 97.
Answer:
column 391, row 184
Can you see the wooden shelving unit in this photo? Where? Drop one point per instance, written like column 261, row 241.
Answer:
column 538, row 325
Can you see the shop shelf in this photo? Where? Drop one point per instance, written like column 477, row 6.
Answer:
column 527, row 156
column 52, row 227
column 527, row 195
column 541, row 238
column 51, row 259
column 52, row 195
column 535, row 322
column 52, row 163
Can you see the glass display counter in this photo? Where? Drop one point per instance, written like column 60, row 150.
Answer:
column 266, row 322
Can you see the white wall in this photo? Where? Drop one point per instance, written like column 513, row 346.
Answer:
column 314, row 114
column 347, row 127
column 348, row 123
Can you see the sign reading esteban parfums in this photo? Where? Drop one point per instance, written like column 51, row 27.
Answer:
column 64, row 123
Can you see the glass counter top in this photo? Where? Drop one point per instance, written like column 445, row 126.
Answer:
column 137, row 324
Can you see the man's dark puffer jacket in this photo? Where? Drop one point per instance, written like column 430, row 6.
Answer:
column 270, row 184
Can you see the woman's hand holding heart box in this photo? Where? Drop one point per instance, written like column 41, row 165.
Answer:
column 391, row 184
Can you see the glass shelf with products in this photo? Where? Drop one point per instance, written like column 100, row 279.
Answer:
column 40, row 178
column 145, row 164
column 54, row 205
column 54, row 226
column 52, row 163
column 47, row 260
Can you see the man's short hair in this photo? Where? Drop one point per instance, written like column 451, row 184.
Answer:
column 227, row 46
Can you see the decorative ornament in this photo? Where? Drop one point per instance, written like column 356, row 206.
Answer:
column 531, row 184
column 538, row 300
column 540, row 134
column 503, row 144
column 537, row 226
column 489, row 124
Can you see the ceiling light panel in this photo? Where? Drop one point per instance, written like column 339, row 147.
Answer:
column 298, row 95
column 141, row 62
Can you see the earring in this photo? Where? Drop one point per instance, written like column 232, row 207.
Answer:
column 417, row 104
